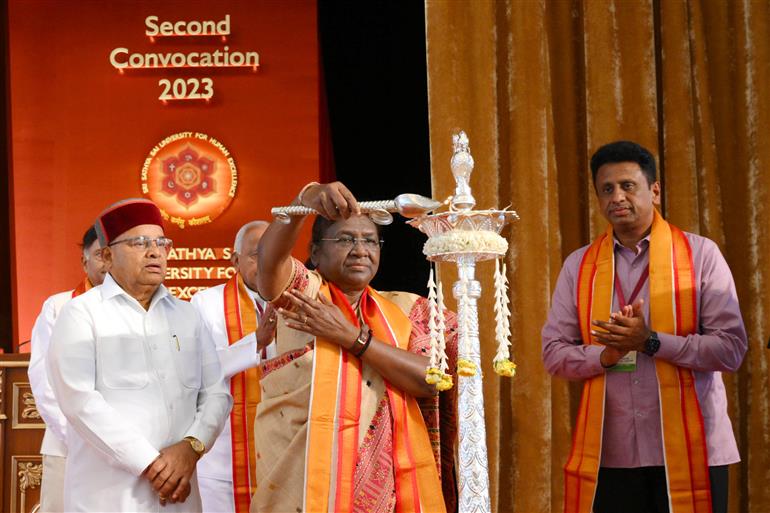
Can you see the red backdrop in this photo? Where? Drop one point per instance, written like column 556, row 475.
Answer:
column 81, row 130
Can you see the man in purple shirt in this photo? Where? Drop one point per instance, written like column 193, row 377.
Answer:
column 632, row 473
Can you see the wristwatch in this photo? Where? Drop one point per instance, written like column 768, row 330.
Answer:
column 652, row 345
column 196, row 445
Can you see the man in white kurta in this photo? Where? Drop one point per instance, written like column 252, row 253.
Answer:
column 53, row 448
column 137, row 378
column 215, row 469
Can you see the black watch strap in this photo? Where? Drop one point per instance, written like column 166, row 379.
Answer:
column 652, row 345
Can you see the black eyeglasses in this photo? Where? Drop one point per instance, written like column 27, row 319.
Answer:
column 145, row 243
column 349, row 242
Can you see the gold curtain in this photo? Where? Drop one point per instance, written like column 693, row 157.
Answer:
column 538, row 86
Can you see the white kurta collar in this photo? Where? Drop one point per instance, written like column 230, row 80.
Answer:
column 111, row 289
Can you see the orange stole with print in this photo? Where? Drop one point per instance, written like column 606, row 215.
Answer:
column 240, row 320
column 672, row 310
column 82, row 287
column 333, row 423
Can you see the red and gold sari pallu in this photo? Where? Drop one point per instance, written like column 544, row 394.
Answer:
column 240, row 320
column 673, row 309
column 333, row 432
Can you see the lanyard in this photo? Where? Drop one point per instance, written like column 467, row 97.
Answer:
column 639, row 284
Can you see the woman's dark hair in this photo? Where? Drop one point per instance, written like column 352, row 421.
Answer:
column 624, row 151
column 320, row 225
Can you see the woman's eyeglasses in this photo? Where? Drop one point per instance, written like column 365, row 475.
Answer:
column 349, row 242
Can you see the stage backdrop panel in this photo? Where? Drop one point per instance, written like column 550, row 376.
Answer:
column 95, row 98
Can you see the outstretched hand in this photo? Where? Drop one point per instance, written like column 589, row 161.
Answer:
column 331, row 200
column 319, row 317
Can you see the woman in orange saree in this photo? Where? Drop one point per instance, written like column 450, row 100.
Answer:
column 346, row 420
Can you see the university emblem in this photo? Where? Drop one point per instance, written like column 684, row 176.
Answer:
column 191, row 176
column 188, row 175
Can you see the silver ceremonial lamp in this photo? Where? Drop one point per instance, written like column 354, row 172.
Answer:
column 466, row 236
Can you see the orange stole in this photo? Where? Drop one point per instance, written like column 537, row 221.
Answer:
column 82, row 287
column 334, row 419
column 240, row 320
column 672, row 310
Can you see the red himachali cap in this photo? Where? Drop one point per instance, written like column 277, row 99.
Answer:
column 120, row 217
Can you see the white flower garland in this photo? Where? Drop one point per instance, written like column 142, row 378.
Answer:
column 502, row 363
column 436, row 372
column 432, row 328
column 502, row 313
column 460, row 241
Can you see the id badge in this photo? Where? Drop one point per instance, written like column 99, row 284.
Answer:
column 626, row 364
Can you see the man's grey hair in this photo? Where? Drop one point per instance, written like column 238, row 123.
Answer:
column 238, row 244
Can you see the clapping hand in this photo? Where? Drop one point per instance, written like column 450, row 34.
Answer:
column 611, row 356
column 625, row 331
